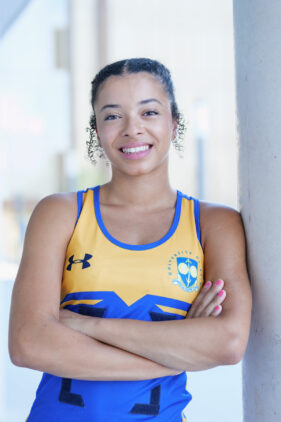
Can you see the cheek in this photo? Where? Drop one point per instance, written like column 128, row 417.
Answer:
column 166, row 131
column 106, row 134
column 165, row 126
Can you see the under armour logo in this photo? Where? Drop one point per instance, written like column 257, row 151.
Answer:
column 84, row 261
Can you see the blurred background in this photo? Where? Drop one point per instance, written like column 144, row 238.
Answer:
column 50, row 50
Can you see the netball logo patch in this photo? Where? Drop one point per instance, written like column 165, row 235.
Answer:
column 185, row 272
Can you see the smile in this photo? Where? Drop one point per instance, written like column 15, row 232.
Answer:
column 136, row 152
column 136, row 149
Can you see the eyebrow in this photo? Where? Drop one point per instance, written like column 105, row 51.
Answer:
column 149, row 100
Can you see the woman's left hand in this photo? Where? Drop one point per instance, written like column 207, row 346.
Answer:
column 209, row 300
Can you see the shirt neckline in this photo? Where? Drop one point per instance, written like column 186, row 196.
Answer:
column 128, row 245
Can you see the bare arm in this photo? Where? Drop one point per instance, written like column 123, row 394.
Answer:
column 37, row 339
column 201, row 343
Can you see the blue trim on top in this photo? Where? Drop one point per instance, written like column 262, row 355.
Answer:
column 197, row 218
column 80, row 203
column 137, row 247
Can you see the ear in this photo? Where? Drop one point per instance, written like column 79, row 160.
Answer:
column 98, row 138
column 175, row 126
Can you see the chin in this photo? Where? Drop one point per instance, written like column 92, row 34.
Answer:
column 138, row 169
column 137, row 172
column 142, row 170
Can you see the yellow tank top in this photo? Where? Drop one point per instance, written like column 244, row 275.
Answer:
column 108, row 278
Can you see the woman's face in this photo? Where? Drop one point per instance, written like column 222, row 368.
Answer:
column 134, row 122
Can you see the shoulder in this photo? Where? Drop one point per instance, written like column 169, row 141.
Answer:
column 217, row 211
column 219, row 220
column 60, row 204
column 56, row 213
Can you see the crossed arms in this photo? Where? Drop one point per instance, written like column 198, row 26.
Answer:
column 70, row 345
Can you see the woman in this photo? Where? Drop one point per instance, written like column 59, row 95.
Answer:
column 98, row 273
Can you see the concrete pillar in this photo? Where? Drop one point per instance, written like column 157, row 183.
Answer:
column 258, row 77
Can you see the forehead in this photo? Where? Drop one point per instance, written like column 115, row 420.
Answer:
column 132, row 86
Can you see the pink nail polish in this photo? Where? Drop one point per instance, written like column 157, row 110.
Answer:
column 219, row 282
column 221, row 293
column 208, row 284
column 218, row 308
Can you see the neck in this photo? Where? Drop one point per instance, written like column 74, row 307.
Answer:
column 151, row 190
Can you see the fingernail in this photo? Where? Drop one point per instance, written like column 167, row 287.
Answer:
column 219, row 282
column 221, row 293
column 208, row 284
column 218, row 308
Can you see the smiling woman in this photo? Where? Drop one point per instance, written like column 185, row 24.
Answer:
column 137, row 121
column 117, row 313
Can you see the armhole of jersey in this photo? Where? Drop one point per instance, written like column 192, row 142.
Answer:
column 197, row 219
column 79, row 203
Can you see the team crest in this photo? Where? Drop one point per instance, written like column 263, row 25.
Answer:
column 185, row 272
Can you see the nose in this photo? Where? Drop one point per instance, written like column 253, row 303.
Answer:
column 132, row 126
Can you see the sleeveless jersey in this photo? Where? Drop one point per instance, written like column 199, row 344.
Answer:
column 106, row 278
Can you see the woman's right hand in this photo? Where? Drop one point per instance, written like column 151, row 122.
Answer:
column 209, row 300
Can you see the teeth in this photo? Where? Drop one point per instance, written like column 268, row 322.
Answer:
column 137, row 149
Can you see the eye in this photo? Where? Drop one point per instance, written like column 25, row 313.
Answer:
column 111, row 117
column 150, row 113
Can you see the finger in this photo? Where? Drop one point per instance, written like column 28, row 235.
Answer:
column 217, row 311
column 207, row 286
column 198, row 299
column 217, row 301
column 208, row 298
